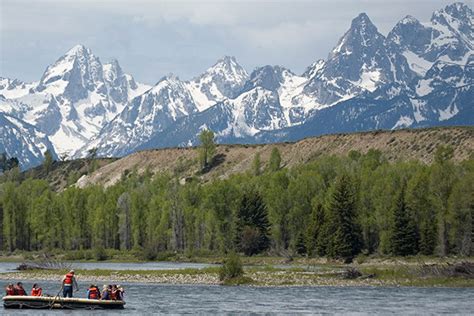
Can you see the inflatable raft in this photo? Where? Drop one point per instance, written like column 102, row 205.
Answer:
column 50, row 302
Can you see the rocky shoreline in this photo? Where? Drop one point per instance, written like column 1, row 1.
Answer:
column 254, row 278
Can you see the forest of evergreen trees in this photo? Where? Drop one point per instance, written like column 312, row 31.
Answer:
column 333, row 206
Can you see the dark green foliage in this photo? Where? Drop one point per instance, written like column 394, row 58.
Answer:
column 100, row 254
column 331, row 206
column 3, row 162
column 316, row 239
column 420, row 207
column 345, row 240
column 48, row 161
column 404, row 235
column 8, row 163
column 232, row 268
column 301, row 245
column 252, row 225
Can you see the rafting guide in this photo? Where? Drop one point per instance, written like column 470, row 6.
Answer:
column 68, row 283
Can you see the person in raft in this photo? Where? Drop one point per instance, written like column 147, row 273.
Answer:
column 105, row 292
column 36, row 290
column 119, row 293
column 93, row 293
column 19, row 290
column 68, row 283
column 10, row 289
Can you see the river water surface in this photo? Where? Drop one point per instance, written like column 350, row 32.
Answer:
column 146, row 299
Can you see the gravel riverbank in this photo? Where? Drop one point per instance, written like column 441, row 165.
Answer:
column 256, row 278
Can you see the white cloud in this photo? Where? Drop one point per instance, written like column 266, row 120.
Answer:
column 185, row 36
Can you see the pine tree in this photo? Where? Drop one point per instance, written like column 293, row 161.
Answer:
column 420, row 207
column 48, row 161
column 252, row 225
column 3, row 162
column 345, row 241
column 315, row 242
column 301, row 245
column 404, row 239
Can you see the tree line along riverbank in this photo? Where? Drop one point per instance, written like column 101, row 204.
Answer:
column 332, row 206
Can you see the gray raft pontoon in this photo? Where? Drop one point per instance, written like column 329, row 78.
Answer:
column 50, row 302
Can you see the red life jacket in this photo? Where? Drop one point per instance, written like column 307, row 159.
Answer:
column 10, row 291
column 68, row 279
column 36, row 291
column 19, row 291
column 113, row 295
column 94, row 293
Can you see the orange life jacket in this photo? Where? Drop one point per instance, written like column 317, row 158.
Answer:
column 68, row 279
column 94, row 293
column 10, row 291
column 36, row 291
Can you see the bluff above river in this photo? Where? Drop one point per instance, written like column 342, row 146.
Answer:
column 408, row 144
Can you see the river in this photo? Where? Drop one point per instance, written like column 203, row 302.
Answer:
column 145, row 299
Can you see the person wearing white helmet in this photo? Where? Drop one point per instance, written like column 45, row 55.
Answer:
column 69, row 283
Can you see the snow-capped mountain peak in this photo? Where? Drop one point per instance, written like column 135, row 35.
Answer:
column 112, row 70
column 229, row 68
column 78, row 50
column 454, row 12
column 221, row 81
column 449, row 36
column 75, row 98
column 267, row 77
column 409, row 20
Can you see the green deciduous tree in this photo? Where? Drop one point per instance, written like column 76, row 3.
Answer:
column 256, row 165
column 275, row 160
column 207, row 150
column 461, row 216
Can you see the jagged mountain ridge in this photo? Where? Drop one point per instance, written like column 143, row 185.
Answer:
column 420, row 74
column 75, row 98
column 399, row 97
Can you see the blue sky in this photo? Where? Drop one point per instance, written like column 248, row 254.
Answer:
column 153, row 38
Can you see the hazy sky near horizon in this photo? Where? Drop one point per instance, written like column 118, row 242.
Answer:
column 153, row 38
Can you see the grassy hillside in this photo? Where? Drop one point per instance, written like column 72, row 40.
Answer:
column 418, row 144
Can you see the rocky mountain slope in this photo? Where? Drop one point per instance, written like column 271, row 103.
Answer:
column 419, row 75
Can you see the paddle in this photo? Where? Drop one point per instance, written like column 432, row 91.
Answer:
column 57, row 296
